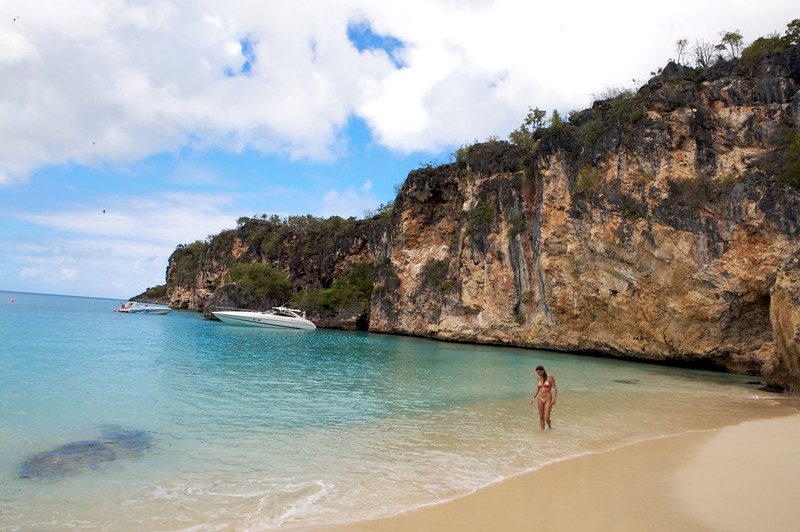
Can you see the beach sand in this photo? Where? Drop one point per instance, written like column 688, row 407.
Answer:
column 742, row 477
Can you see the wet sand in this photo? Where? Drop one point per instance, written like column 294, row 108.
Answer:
column 742, row 477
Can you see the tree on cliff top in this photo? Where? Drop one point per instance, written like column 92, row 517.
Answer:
column 792, row 35
column 523, row 135
column 703, row 53
column 731, row 42
column 680, row 47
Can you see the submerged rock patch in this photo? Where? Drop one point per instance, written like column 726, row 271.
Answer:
column 74, row 457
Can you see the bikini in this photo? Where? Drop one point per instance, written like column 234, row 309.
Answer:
column 546, row 384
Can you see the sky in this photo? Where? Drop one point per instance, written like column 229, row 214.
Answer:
column 128, row 127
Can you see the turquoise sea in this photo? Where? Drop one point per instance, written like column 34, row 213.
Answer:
column 250, row 429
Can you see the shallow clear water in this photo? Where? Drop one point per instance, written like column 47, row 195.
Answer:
column 252, row 428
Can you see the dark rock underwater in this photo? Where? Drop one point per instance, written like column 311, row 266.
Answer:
column 75, row 457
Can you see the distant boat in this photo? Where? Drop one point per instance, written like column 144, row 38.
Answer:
column 142, row 308
column 277, row 317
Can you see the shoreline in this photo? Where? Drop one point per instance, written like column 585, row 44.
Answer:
column 737, row 477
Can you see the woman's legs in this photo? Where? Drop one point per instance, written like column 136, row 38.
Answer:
column 547, row 407
column 540, row 404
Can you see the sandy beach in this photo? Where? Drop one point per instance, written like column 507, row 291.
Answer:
column 740, row 477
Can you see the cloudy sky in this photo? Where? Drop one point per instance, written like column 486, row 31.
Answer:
column 130, row 126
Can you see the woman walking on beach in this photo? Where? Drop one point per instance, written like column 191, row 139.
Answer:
column 546, row 391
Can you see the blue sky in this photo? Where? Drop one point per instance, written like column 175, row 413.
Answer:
column 129, row 127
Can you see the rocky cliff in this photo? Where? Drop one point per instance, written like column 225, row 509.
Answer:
column 314, row 254
column 659, row 225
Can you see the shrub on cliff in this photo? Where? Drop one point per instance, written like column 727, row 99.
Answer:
column 260, row 281
column 764, row 46
column 353, row 288
column 523, row 136
column 589, row 180
column 772, row 44
column 699, row 191
column 792, row 34
column 156, row 292
column 435, row 272
column 480, row 220
column 184, row 263
column 625, row 109
column 790, row 173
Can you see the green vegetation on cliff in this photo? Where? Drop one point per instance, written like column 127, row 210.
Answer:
column 153, row 294
column 185, row 263
column 790, row 168
column 260, row 281
column 355, row 288
column 306, row 260
column 771, row 44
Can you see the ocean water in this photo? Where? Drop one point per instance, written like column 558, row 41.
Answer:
column 251, row 429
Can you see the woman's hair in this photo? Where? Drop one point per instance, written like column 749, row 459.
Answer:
column 544, row 372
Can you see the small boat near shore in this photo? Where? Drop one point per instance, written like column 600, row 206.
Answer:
column 133, row 307
column 277, row 318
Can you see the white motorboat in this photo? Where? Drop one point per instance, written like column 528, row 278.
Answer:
column 277, row 317
column 133, row 307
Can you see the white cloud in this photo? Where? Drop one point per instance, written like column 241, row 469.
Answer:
column 32, row 273
column 117, row 81
column 68, row 274
column 124, row 250
column 473, row 72
column 188, row 174
column 121, row 251
column 167, row 217
column 350, row 202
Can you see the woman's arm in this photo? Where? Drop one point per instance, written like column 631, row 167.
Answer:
column 554, row 392
column 538, row 387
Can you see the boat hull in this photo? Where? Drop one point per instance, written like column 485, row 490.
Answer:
column 263, row 319
column 134, row 308
column 158, row 311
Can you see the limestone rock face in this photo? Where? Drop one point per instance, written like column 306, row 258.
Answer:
column 668, row 242
column 197, row 293
column 785, row 316
column 654, row 226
